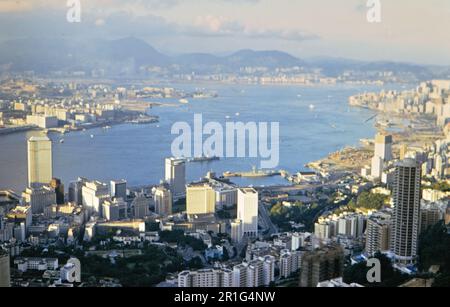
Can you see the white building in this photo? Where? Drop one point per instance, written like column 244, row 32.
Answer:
column 247, row 211
column 163, row 201
column 39, row 198
column 93, row 195
column 175, row 176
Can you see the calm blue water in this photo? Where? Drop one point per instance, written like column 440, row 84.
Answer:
column 136, row 152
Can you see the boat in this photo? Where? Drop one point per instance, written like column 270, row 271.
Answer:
column 61, row 141
column 254, row 173
column 238, row 114
column 92, row 136
column 184, row 101
column 312, row 107
column 203, row 159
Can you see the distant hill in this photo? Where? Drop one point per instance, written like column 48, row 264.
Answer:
column 128, row 55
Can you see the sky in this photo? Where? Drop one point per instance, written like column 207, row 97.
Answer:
column 410, row 30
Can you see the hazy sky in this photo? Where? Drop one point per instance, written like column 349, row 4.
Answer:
column 410, row 30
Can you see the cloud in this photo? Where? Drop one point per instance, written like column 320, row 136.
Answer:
column 223, row 26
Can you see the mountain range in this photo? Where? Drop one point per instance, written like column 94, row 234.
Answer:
column 128, row 55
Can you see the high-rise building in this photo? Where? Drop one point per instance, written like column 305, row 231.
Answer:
column 325, row 230
column 111, row 210
column 378, row 233
column 321, row 264
column 290, row 262
column 175, row 175
column 141, row 207
column 39, row 198
column 118, row 189
column 236, row 231
column 206, row 278
column 76, row 191
column 163, row 201
column 57, row 185
column 383, row 154
column 383, row 147
column 40, row 165
column 5, row 278
column 93, row 195
column 430, row 215
column 247, row 211
column 200, row 199
column 406, row 214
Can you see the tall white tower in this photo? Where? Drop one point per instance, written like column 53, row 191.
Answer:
column 247, row 211
column 40, row 165
column 175, row 175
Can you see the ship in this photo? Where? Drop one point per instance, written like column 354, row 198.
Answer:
column 254, row 173
column 203, row 159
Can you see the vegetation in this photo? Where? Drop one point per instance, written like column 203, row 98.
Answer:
column 298, row 213
column 365, row 201
column 389, row 277
column 434, row 249
column 177, row 236
column 441, row 186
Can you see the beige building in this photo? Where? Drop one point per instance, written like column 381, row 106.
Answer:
column 378, row 233
column 200, row 199
column 40, row 165
column 163, row 201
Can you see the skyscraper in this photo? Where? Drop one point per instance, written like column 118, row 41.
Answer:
column 378, row 233
column 118, row 189
column 163, row 201
column 406, row 214
column 40, row 166
column 175, row 176
column 57, row 185
column 322, row 264
column 247, row 211
column 383, row 154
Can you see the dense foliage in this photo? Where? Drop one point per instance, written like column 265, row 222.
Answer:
column 389, row 277
column 434, row 249
column 177, row 236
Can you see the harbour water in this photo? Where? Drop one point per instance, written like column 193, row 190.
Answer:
column 314, row 121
